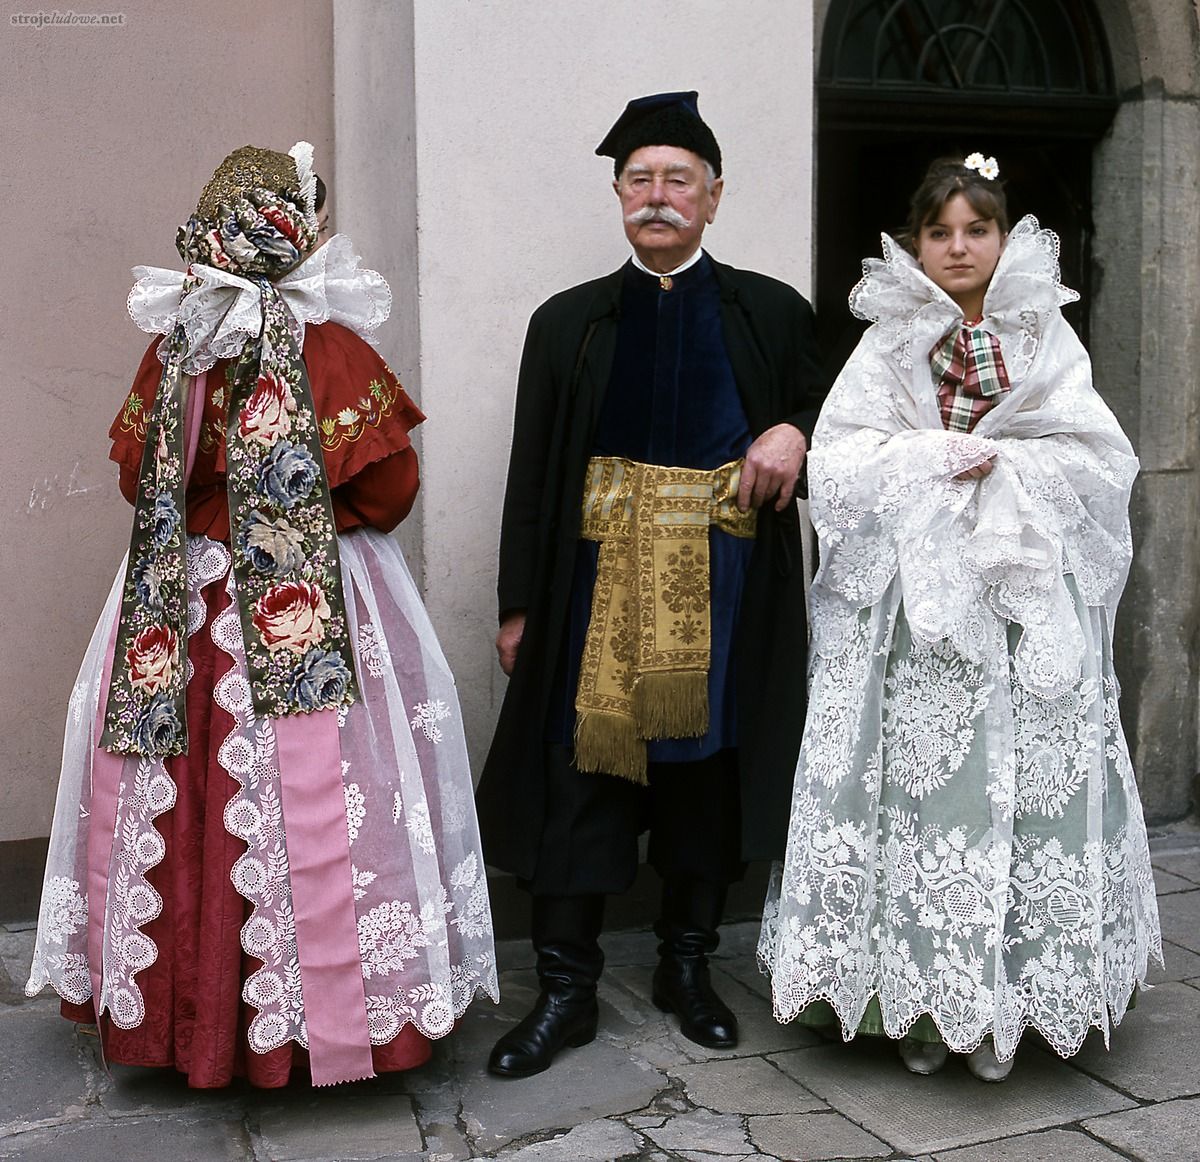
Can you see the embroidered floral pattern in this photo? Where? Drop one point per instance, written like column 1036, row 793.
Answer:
column 372, row 650
column 350, row 424
column 685, row 581
column 428, row 715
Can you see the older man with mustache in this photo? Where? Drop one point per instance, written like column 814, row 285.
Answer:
column 651, row 591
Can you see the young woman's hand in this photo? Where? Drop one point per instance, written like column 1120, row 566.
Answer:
column 978, row 472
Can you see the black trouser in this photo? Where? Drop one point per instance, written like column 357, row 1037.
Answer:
column 589, row 842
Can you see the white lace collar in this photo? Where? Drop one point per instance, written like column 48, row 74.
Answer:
column 224, row 310
column 907, row 306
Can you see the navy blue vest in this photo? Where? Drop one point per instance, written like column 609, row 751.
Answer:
column 671, row 400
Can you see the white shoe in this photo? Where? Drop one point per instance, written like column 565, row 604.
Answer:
column 923, row 1057
column 984, row 1064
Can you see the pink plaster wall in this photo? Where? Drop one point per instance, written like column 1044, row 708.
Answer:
column 108, row 135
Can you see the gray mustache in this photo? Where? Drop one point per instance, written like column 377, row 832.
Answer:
column 657, row 214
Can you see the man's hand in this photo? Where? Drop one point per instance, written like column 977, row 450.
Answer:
column 772, row 466
column 978, row 472
column 508, row 640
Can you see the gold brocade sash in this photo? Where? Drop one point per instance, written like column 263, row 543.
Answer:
column 644, row 671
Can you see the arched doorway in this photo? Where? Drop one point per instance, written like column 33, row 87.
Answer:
column 901, row 82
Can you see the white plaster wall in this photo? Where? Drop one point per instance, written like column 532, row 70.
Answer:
column 512, row 205
column 375, row 202
column 108, row 135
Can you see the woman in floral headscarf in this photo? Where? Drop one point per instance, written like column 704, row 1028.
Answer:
column 966, row 856
column 265, row 851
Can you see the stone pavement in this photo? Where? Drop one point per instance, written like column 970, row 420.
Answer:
column 641, row 1091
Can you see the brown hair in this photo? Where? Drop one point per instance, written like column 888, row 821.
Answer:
column 943, row 179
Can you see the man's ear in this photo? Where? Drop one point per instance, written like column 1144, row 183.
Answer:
column 715, row 196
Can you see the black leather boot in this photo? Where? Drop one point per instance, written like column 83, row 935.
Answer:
column 688, row 933
column 569, row 961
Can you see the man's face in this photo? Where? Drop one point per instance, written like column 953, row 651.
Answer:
column 666, row 201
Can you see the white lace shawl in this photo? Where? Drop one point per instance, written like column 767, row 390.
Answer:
column 885, row 502
column 225, row 310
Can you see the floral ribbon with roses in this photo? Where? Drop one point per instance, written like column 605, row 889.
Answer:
column 284, row 548
column 283, row 537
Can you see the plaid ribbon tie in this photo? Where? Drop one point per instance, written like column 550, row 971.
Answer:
column 969, row 371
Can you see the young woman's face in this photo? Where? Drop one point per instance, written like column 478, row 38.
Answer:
column 959, row 250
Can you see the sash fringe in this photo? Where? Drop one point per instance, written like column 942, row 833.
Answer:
column 609, row 744
column 672, row 704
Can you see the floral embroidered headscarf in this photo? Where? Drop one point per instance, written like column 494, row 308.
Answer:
column 255, row 221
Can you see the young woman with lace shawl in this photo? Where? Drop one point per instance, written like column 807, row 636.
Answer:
column 265, row 851
column 967, row 857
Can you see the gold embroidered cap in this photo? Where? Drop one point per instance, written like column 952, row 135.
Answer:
column 249, row 168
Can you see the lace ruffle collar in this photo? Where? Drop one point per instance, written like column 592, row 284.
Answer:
column 905, row 303
column 224, row 310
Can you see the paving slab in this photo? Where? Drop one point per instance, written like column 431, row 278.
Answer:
column 1155, row 1051
column 701, row 1131
column 1162, row 1133
column 127, row 1091
column 1178, row 964
column 1180, row 917
column 11, row 993
column 866, row 1081
column 758, row 1031
column 42, row 1072
column 596, row 1142
column 444, row 1142
column 316, row 1125
column 814, row 1137
column 1060, row 1145
column 1179, row 863
column 150, row 1140
column 746, row 1086
column 1167, row 883
column 592, row 1082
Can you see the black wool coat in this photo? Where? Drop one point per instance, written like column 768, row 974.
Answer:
column 565, row 369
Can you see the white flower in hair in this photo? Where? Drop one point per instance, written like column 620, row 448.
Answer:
column 985, row 167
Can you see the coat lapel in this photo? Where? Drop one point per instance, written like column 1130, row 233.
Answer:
column 751, row 369
column 594, row 364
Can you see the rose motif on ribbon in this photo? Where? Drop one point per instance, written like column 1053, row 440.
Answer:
column 148, row 584
column 287, row 474
column 166, row 519
column 319, row 682
column 272, row 546
column 153, row 659
column 267, row 414
column 157, row 727
column 291, row 616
